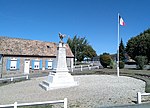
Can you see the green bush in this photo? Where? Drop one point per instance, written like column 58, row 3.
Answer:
column 141, row 61
column 105, row 60
column 121, row 65
column 112, row 64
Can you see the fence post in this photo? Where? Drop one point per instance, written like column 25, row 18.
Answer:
column 27, row 77
column 71, row 69
column 65, row 102
column 81, row 67
column 139, row 98
column 11, row 79
column 15, row 105
column 89, row 67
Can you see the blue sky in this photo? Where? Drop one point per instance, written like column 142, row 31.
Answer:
column 94, row 19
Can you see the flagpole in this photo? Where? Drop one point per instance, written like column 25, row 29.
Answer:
column 118, row 49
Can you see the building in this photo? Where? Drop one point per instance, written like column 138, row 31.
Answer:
column 25, row 56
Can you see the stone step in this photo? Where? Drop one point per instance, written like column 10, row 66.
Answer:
column 45, row 82
column 45, row 87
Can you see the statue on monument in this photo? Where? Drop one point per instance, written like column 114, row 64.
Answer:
column 61, row 36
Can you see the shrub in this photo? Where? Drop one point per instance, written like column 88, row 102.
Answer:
column 141, row 61
column 121, row 65
column 112, row 64
column 105, row 60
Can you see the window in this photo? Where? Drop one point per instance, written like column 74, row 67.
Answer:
column 48, row 64
column 37, row 64
column 13, row 64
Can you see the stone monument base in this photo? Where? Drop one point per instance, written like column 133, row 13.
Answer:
column 58, row 80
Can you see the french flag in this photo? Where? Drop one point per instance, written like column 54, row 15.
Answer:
column 121, row 22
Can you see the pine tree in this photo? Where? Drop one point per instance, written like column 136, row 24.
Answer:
column 121, row 51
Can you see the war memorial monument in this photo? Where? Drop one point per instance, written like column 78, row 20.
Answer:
column 60, row 76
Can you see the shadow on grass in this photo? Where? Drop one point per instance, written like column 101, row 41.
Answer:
column 6, row 82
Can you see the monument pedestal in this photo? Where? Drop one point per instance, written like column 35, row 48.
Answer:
column 59, row 78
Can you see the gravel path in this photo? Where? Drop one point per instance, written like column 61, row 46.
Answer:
column 93, row 91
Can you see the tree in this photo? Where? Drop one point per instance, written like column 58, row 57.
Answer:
column 105, row 60
column 121, row 51
column 112, row 64
column 141, row 61
column 81, row 48
column 89, row 52
column 121, row 64
column 139, row 45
